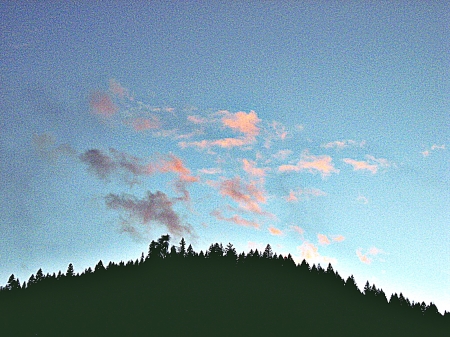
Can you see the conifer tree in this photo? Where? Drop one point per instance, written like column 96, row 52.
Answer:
column 69, row 272
column 182, row 249
column 268, row 253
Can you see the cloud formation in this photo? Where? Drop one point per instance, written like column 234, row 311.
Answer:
column 341, row 144
column 364, row 258
column 304, row 194
column 313, row 164
column 275, row 231
column 248, row 196
column 102, row 104
column 372, row 164
column 242, row 122
column 323, row 239
column 154, row 208
column 104, row 165
column 434, row 147
column 310, row 253
column 250, row 168
column 236, row 219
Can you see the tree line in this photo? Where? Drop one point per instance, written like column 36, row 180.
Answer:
column 175, row 290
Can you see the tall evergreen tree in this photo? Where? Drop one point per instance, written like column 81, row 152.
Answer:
column 69, row 272
column 182, row 248
column 268, row 253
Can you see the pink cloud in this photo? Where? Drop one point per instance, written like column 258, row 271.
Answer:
column 338, row 238
column 248, row 196
column 372, row 164
column 243, row 122
column 226, row 143
column 142, row 124
column 102, row 104
column 175, row 164
column 323, row 239
column 291, row 197
column 236, row 219
column 375, row 251
column 298, row 229
column 154, row 208
column 250, row 168
column 305, row 193
column 197, row 119
column 117, row 89
column 363, row 258
column 361, row 165
column 340, row 144
column 275, row 231
column 312, row 164
column 310, row 253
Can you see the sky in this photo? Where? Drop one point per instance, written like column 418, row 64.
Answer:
column 318, row 127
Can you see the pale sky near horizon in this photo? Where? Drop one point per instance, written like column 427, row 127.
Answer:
column 321, row 128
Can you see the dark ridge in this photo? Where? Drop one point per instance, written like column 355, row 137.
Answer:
column 178, row 292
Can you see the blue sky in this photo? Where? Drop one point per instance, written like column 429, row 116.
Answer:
column 321, row 128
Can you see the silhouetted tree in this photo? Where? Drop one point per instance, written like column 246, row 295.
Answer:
column 268, row 253
column 190, row 251
column 99, row 267
column 230, row 254
column 182, row 249
column 13, row 283
column 69, row 272
column 39, row 276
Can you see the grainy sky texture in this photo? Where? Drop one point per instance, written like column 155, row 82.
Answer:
column 321, row 128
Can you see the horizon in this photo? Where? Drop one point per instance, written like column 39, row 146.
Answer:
column 320, row 129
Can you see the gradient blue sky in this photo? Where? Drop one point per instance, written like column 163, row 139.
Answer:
column 321, row 128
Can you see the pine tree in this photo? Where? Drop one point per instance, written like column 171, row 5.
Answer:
column 39, row 276
column 99, row 267
column 69, row 272
column 182, row 249
column 268, row 253
column 13, row 283
column 190, row 251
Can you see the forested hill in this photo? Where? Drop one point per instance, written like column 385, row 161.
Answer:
column 178, row 292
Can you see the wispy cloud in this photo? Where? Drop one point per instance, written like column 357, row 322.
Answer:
column 102, row 104
column 197, row 119
column 298, row 230
column 434, row 147
column 236, row 219
column 341, row 144
column 311, row 163
column 142, row 124
column 105, row 164
column 275, row 231
column 248, row 196
column 323, row 239
column 362, row 199
column 154, row 208
column 250, row 168
column 338, row 238
column 364, row 257
column 361, row 165
column 310, row 253
column 211, row 170
column 242, row 122
column 282, row 154
column 372, row 164
column 304, row 194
